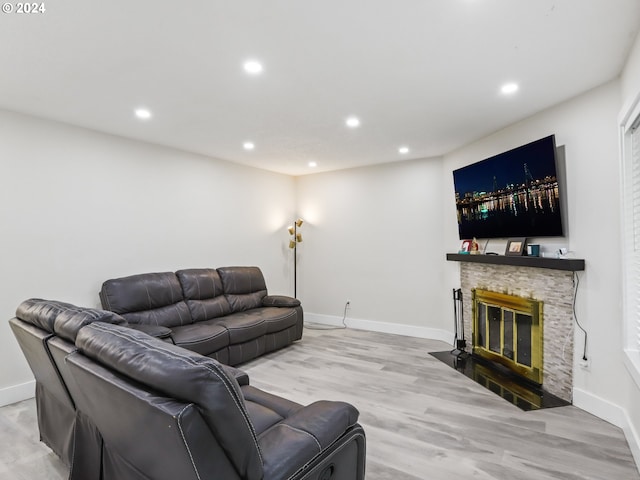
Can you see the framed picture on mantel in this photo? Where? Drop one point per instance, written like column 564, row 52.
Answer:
column 516, row 246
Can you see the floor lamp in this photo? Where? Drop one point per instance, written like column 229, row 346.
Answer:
column 295, row 239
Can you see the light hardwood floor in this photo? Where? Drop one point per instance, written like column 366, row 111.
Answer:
column 423, row 420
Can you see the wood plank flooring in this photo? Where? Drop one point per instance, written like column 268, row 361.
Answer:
column 423, row 420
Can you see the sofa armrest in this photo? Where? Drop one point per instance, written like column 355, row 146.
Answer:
column 280, row 301
column 156, row 331
column 292, row 443
column 241, row 376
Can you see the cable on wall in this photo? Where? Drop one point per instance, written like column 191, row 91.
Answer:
column 341, row 327
column 576, row 283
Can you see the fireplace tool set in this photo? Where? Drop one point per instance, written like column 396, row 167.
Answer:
column 459, row 342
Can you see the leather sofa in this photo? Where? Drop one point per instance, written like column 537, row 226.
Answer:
column 46, row 332
column 116, row 403
column 166, row 413
column 224, row 313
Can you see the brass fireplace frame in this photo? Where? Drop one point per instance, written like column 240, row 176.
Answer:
column 517, row 306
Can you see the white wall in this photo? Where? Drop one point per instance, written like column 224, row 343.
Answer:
column 630, row 78
column 78, row 207
column 587, row 128
column 373, row 236
column 630, row 81
column 378, row 236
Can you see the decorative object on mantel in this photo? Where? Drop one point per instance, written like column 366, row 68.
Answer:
column 516, row 246
column 469, row 247
column 475, row 250
column 295, row 239
column 533, row 250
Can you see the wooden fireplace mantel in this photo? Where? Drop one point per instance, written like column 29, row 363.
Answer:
column 567, row 264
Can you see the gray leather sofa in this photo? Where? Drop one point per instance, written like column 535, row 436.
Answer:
column 167, row 413
column 116, row 403
column 223, row 313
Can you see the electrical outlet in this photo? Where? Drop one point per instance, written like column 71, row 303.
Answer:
column 584, row 364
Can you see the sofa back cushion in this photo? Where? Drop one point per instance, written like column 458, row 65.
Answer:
column 244, row 287
column 147, row 298
column 203, row 293
column 41, row 313
column 185, row 376
column 69, row 322
column 63, row 319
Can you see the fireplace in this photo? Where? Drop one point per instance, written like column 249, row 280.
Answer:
column 507, row 329
column 550, row 281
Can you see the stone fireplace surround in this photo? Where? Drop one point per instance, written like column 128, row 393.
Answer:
column 555, row 287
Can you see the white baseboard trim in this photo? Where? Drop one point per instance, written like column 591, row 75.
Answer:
column 382, row 327
column 611, row 413
column 17, row 393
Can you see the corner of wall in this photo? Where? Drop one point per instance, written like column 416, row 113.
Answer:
column 611, row 413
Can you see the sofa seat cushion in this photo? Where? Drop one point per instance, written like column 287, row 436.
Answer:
column 245, row 326
column 202, row 337
column 278, row 319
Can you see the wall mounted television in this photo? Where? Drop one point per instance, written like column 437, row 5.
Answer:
column 513, row 194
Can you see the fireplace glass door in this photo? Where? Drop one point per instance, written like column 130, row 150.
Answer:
column 508, row 329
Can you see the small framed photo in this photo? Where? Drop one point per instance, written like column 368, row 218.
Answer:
column 466, row 246
column 516, row 246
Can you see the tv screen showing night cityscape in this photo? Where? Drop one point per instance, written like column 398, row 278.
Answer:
column 514, row 194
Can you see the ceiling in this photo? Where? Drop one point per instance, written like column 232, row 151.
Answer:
column 425, row 74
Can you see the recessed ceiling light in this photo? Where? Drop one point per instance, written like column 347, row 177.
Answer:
column 509, row 88
column 253, row 67
column 248, row 145
column 313, row 164
column 403, row 150
column 143, row 113
column 353, row 122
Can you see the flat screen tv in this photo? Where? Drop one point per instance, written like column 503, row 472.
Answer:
column 513, row 194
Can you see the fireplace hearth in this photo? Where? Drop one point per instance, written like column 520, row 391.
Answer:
column 511, row 387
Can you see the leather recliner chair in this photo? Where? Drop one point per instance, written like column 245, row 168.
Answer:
column 46, row 332
column 166, row 413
